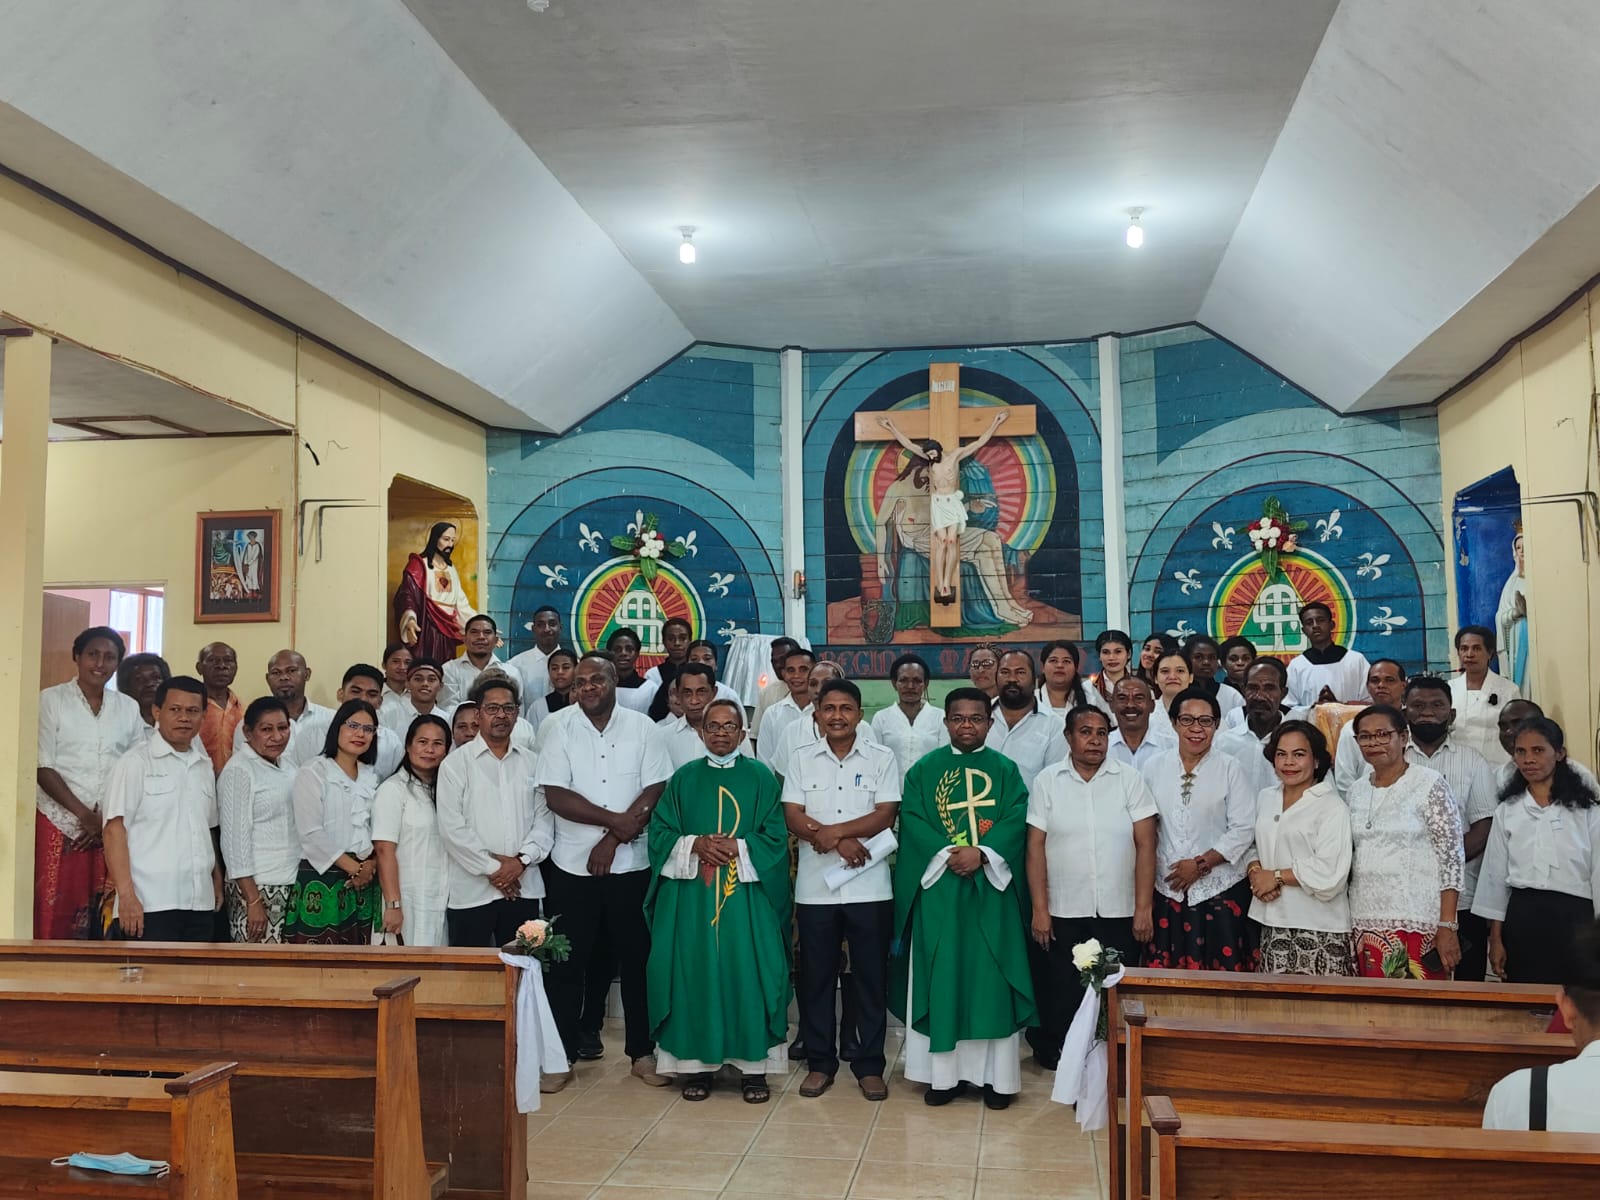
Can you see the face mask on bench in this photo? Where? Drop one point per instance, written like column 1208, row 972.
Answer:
column 114, row 1164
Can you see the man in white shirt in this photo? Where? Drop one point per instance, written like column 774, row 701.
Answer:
column 459, row 674
column 1430, row 719
column 775, row 689
column 1133, row 742
column 696, row 686
column 602, row 774
column 1386, row 683
column 1031, row 739
column 494, row 825
column 1263, row 706
column 161, row 826
column 396, row 663
column 1479, row 694
column 779, row 716
column 1325, row 671
column 424, row 679
column 287, row 677
column 531, row 666
column 360, row 682
column 839, row 793
column 1571, row 1091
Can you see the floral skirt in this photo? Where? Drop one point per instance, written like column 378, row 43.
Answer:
column 1392, row 954
column 1213, row 935
column 276, row 896
column 324, row 910
column 1304, row 952
column 66, row 885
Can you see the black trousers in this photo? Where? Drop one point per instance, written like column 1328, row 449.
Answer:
column 1474, row 963
column 868, row 927
column 597, row 986
column 1538, row 932
column 491, row 924
column 175, row 925
column 1057, row 987
column 591, row 907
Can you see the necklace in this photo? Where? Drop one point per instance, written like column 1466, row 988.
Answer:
column 1378, row 800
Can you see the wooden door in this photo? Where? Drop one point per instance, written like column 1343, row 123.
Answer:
column 65, row 617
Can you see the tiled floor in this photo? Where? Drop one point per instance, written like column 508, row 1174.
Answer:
column 610, row 1137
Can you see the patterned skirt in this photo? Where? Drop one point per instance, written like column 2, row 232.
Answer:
column 324, row 910
column 1304, row 952
column 67, row 884
column 1392, row 954
column 276, row 896
column 1213, row 935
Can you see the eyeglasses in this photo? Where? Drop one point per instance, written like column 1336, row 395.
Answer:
column 1189, row 722
column 361, row 727
column 723, row 727
column 495, row 710
column 1376, row 739
column 980, row 719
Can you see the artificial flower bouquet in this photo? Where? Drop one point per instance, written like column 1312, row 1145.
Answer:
column 1096, row 964
column 538, row 940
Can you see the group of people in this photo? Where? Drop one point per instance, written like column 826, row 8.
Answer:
column 1194, row 807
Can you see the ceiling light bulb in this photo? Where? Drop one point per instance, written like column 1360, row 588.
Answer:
column 1135, row 234
column 686, row 252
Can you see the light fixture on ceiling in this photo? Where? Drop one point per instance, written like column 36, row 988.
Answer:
column 1135, row 235
column 538, row 5
column 686, row 251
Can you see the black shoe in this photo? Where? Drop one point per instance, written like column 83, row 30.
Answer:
column 939, row 1097
column 590, row 1047
column 797, row 1051
column 996, row 1100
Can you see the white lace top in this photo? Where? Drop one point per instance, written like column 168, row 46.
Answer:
column 1407, row 850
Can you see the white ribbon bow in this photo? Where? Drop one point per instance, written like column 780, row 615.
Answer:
column 539, row 1049
column 1081, row 1071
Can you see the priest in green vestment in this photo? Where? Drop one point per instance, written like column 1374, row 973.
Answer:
column 960, row 970
column 718, row 907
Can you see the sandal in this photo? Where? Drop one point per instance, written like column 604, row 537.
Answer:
column 697, row 1087
column 755, row 1089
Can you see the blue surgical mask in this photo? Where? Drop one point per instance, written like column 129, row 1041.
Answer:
column 114, row 1164
column 723, row 760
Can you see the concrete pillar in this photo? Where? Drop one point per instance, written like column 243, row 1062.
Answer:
column 23, row 452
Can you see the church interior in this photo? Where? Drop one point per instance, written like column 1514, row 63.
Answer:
column 630, row 293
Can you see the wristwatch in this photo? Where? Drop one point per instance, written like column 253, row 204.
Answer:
column 524, row 860
column 391, row 904
column 1453, row 926
column 1277, row 877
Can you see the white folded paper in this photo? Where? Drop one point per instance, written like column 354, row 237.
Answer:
column 879, row 846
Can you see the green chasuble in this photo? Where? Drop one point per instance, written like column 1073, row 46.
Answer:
column 718, row 973
column 963, row 941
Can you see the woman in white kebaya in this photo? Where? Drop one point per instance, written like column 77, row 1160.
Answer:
column 413, row 866
column 912, row 727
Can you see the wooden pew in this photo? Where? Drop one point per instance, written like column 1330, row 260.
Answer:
column 466, row 1034
column 1206, row 1157
column 1487, row 1009
column 1349, row 1073
column 325, row 1097
column 186, row 1122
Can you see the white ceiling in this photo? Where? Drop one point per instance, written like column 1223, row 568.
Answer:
column 1370, row 197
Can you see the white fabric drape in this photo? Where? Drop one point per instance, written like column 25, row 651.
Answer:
column 539, row 1049
column 1081, row 1072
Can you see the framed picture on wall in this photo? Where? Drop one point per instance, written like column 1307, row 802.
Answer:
column 236, row 566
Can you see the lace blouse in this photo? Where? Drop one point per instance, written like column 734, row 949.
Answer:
column 1407, row 850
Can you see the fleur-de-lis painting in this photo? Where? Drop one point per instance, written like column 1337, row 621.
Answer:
column 1189, row 581
column 555, row 576
column 1224, row 538
column 1387, row 620
column 636, row 526
column 590, row 539
column 729, row 630
column 1330, row 530
column 1183, row 633
column 686, row 540
column 1371, row 565
column 719, row 583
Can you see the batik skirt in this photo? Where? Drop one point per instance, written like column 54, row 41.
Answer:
column 1392, row 954
column 67, row 884
column 276, row 896
column 325, row 910
column 1304, row 952
column 1211, row 935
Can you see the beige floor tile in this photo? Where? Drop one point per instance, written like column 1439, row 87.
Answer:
column 794, row 1176
column 994, row 1184
column 942, row 1147
column 1030, row 1151
column 726, row 1103
column 646, row 1168
column 613, row 1191
column 632, row 1102
column 795, row 1109
column 914, row 1114
column 559, row 1191
column 537, row 1123
column 688, row 1135
column 811, row 1141
column 557, row 1103
column 608, row 1133
column 911, row 1181
column 588, row 1164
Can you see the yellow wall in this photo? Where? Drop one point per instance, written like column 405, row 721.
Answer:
column 1533, row 411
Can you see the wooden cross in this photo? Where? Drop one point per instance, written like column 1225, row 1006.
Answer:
column 973, row 803
column 948, row 422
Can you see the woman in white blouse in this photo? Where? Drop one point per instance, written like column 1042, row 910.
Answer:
column 1479, row 695
column 1171, row 676
column 912, row 727
column 1207, row 823
column 1115, row 650
column 1541, row 867
column 413, row 868
column 335, row 901
column 1302, row 866
column 1405, row 873
column 1061, row 686
column 260, row 847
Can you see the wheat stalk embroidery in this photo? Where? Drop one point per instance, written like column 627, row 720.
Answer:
column 941, row 801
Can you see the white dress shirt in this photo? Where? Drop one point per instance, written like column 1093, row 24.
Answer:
column 167, row 800
column 311, row 735
column 834, row 790
column 312, row 712
column 1471, row 784
column 1312, row 839
column 404, row 813
column 1155, row 742
column 1033, row 743
column 1477, row 723
column 489, row 806
column 1250, row 752
column 332, row 812
column 1347, row 678
column 769, row 695
column 1237, row 718
column 82, row 747
column 609, row 768
column 803, row 733
column 1407, row 850
column 255, row 802
column 637, row 699
column 460, row 674
column 1549, row 849
column 1349, row 764
column 396, row 721
column 910, row 740
column 778, row 717
column 391, row 701
column 532, row 668
column 683, row 743
column 1572, row 1098
column 1220, row 815
column 1088, row 827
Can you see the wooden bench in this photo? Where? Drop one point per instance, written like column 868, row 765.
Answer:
column 325, row 1098
column 1351, row 1073
column 186, row 1122
column 465, row 1029
column 1485, row 1009
column 1207, row 1157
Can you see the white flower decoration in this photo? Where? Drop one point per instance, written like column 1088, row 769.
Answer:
column 1086, row 954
